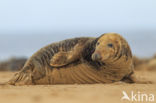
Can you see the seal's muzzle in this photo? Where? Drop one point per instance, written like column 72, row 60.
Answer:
column 96, row 57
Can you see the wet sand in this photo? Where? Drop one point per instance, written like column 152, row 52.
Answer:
column 95, row 93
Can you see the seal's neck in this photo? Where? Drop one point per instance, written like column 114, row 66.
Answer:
column 89, row 49
column 120, row 63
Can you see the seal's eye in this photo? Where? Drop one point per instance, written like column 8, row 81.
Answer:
column 110, row 45
column 97, row 43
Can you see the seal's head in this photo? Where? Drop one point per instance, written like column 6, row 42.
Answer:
column 111, row 47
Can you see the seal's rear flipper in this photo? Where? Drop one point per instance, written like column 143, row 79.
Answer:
column 20, row 78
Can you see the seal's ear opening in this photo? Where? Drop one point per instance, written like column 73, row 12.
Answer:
column 123, row 50
column 126, row 50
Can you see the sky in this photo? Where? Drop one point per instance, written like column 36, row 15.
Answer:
column 75, row 15
column 40, row 22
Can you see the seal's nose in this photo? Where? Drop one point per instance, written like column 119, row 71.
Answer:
column 96, row 56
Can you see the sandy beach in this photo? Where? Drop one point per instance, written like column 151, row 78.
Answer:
column 89, row 93
column 66, row 41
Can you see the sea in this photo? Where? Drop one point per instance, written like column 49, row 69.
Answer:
column 142, row 43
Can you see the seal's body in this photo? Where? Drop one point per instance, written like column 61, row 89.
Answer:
column 83, row 60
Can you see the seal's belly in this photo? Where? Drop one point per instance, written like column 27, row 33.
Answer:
column 78, row 74
column 82, row 74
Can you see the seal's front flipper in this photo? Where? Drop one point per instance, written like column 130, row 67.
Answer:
column 61, row 59
column 132, row 78
column 64, row 58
